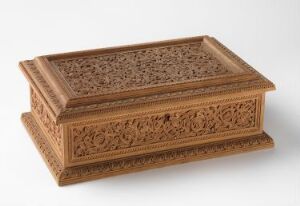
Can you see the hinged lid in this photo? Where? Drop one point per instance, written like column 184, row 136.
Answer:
column 99, row 79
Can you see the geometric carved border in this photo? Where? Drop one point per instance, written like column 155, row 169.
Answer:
column 119, row 137
column 137, row 163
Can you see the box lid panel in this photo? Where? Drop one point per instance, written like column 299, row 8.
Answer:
column 110, row 77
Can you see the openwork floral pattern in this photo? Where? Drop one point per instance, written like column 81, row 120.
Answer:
column 122, row 71
column 92, row 139
column 49, row 125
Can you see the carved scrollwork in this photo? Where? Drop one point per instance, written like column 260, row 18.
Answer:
column 138, row 68
column 146, row 130
column 119, row 166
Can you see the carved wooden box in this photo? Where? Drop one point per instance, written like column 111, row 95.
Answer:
column 111, row 111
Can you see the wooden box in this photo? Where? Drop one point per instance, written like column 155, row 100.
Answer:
column 117, row 110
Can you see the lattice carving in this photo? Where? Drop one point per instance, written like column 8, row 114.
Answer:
column 121, row 71
column 49, row 125
column 174, row 125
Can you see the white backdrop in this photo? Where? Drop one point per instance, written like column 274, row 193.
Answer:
column 264, row 33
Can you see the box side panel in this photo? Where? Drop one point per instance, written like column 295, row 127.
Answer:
column 160, row 129
column 42, row 116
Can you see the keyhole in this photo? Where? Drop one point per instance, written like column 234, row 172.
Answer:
column 167, row 117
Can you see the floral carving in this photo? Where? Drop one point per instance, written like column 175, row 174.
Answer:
column 145, row 161
column 124, row 71
column 49, row 125
column 97, row 138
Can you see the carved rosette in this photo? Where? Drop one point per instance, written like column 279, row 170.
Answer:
column 49, row 126
column 198, row 122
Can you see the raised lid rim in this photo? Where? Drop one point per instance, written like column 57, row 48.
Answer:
column 58, row 100
column 69, row 99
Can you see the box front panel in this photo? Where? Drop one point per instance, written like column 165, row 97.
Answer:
column 161, row 129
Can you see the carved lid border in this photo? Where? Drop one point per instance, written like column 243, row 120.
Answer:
column 66, row 114
column 69, row 99
column 63, row 114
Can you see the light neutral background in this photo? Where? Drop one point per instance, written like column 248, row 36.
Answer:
column 264, row 33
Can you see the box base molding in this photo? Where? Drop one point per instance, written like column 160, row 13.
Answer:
column 98, row 170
